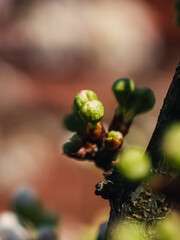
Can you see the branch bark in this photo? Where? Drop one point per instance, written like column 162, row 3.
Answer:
column 150, row 206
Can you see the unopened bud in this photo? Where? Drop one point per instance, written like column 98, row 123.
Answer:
column 74, row 123
column 134, row 164
column 122, row 89
column 114, row 140
column 83, row 97
column 92, row 111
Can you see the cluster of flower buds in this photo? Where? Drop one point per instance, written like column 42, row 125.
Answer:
column 177, row 7
column 32, row 214
column 91, row 141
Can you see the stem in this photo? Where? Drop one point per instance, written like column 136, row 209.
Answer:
column 122, row 203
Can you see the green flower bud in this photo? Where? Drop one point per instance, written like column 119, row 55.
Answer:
column 92, row 111
column 114, row 140
column 146, row 100
column 169, row 228
column 140, row 101
column 69, row 148
column 26, row 204
column 171, row 145
column 83, row 97
column 74, row 123
column 115, row 134
column 122, row 89
column 134, row 164
column 129, row 231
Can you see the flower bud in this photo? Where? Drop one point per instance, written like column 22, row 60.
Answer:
column 146, row 100
column 122, row 89
column 171, row 145
column 92, row 111
column 134, row 164
column 114, row 140
column 74, row 123
column 125, row 230
column 83, row 97
column 69, row 148
column 169, row 228
column 115, row 135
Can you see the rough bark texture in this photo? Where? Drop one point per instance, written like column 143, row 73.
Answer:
column 139, row 201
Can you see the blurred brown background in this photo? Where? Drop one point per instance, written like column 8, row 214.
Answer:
column 49, row 50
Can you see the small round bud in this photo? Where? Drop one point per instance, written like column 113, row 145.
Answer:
column 114, row 140
column 171, row 145
column 122, row 89
column 69, row 148
column 74, row 123
column 134, row 164
column 146, row 100
column 47, row 233
column 116, row 135
column 92, row 111
column 169, row 228
column 129, row 231
column 83, row 97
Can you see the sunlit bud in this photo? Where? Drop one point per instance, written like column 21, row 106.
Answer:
column 114, row 140
column 134, row 164
column 92, row 111
column 169, row 229
column 74, row 123
column 171, row 145
column 116, row 135
column 122, row 89
column 83, row 97
column 129, row 231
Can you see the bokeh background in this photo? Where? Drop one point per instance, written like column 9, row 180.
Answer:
column 51, row 49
